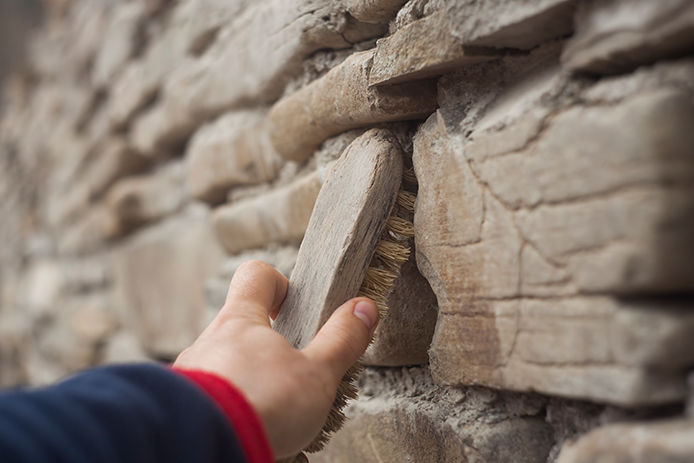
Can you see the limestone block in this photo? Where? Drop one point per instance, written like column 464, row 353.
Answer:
column 618, row 35
column 88, row 232
column 91, row 317
column 70, row 340
column 565, row 226
column 95, row 124
column 500, row 241
column 268, row 41
column 431, row 50
column 63, row 209
column 203, row 18
column 414, row 10
column 374, row 11
column 192, row 26
column 40, row 287
column 342, row 100
column 42, row 371
column 110, row 161
column 233, row 150
column 509, row 24
column 44, row 55
column 663, row 441
column 159, row 132
column 86, row 274
column 447, row 426
column 133, row 88
column 403, row 336
column 66, row 47
column 589, row 347
column 649, row 167
column 140, row 199
column 281, row 215
column 119, row 43
column 140, row 82
column 122, row 347
column 160, row 276
column 88, row 24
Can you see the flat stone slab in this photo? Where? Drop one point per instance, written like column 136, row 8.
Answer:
column 562, row 218
column 663, row 441
column 421, row 49
column 619, row 35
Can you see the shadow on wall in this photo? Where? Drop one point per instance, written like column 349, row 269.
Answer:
column 17, row 17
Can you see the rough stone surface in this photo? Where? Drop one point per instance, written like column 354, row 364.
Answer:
column 404, row 335
column 554, row 214
column 614, row 354
column 88, row 233
column 134, row 201
column 431, row 50
column 160, row 274
column 342, row 100
column 133, row 90
column 397, row 424
column 203, row 88
column 666, row 441
column 112, row 160
column 204, row 18
column 123, row 347
column 279, row 216
column 374, row 11
column 618, row 35
column 233, row 150
column 525, row 238
column 613, row 214
column 192, row 26
column 120, row 42
column 509, row 24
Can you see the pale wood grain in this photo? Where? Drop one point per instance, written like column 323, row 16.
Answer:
column 346, row 224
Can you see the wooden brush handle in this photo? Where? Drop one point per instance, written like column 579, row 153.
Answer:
column 346, row 225
column 347, row 221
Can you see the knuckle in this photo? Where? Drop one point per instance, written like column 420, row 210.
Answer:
column 253, row 279
column 254, row 267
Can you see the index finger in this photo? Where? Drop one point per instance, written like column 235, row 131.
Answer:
column 256, row 291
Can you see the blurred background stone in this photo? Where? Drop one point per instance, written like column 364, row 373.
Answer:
column 149, row 148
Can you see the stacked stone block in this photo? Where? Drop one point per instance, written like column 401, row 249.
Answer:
column 148, row 148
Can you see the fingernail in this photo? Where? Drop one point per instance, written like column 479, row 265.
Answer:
column 367, row 312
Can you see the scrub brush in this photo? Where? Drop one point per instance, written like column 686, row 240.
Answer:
column 358, row 237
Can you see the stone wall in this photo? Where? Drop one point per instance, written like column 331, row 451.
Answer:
column 150, row 147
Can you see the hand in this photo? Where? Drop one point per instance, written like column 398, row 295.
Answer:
column 292, row 390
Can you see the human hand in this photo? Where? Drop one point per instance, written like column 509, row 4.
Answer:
column 292, row 390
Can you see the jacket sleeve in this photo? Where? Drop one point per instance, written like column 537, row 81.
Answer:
column 134, row 413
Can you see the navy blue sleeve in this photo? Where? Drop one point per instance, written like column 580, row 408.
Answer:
column 134, row 413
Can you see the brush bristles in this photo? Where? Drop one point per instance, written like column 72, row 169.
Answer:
column 409, row 176
column 380, row 280
column 391, row 252
column 406, row 200
column 399, row 226
column 347, row 390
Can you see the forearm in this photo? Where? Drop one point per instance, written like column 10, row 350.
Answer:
column 136, row 413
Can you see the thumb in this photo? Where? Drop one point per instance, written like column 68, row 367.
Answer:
column 345, row 336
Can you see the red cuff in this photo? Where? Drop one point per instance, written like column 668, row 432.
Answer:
column 242, row 417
